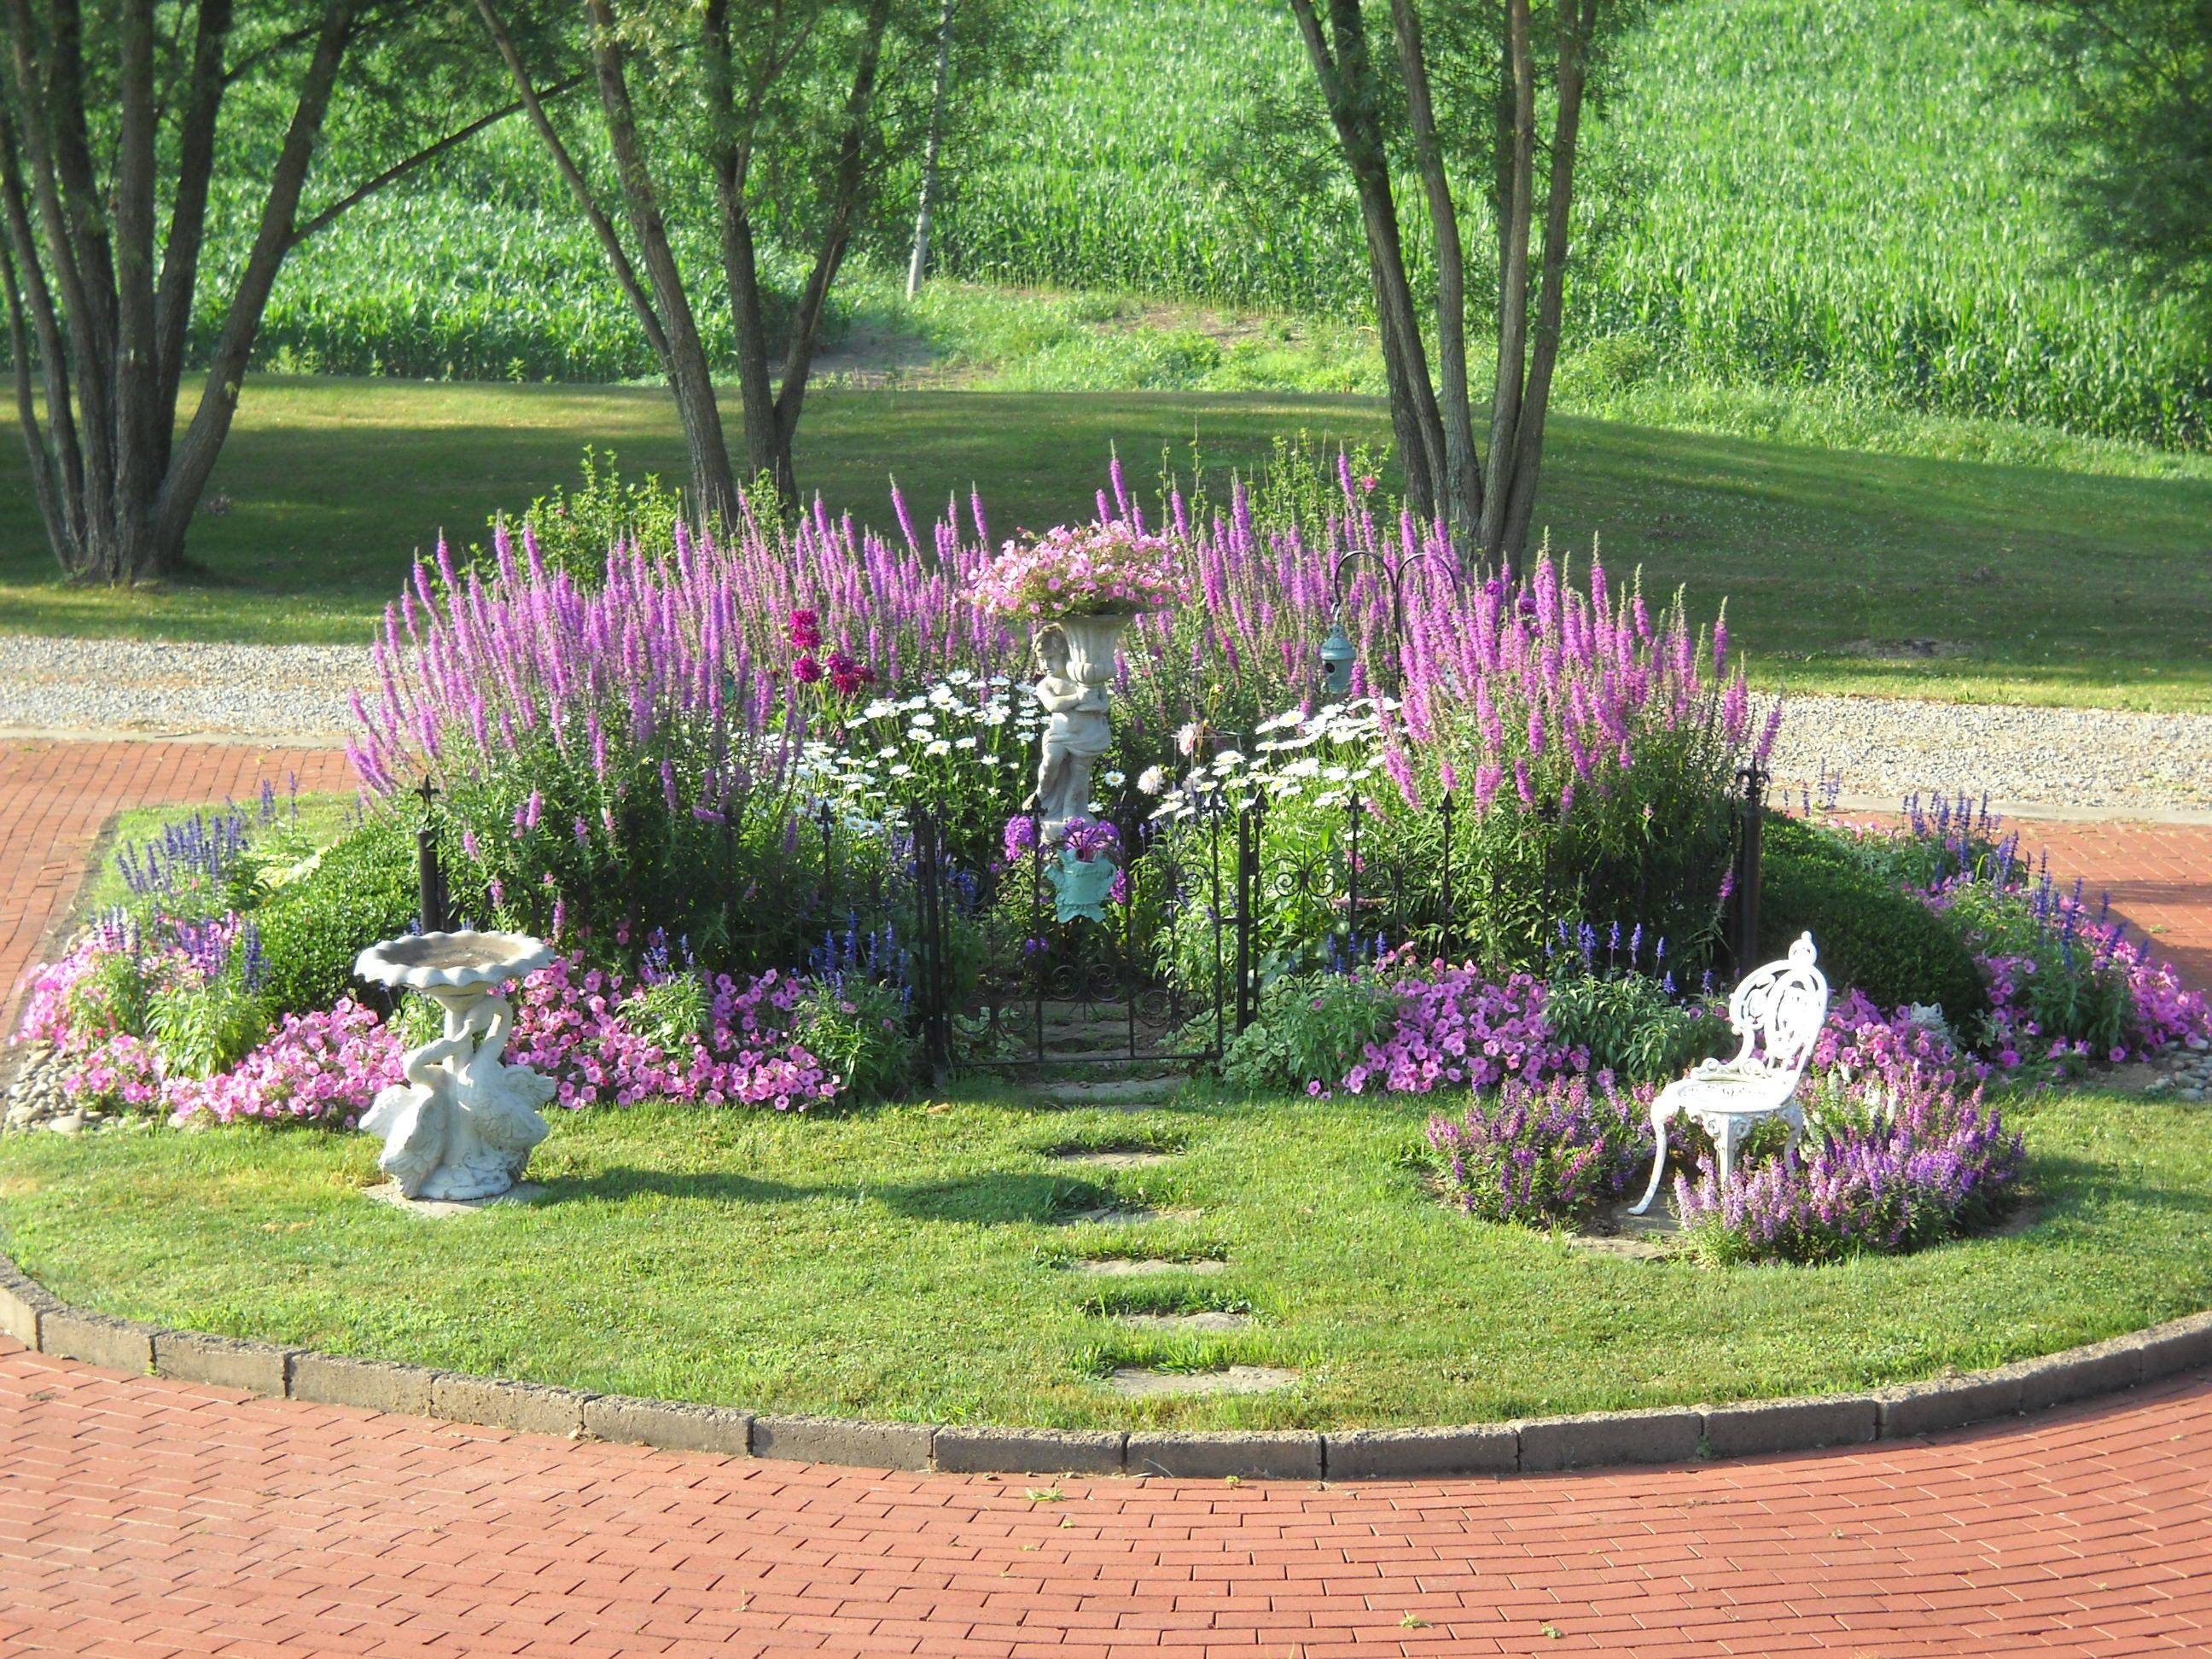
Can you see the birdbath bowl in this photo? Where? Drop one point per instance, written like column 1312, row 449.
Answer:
column 462, row 1125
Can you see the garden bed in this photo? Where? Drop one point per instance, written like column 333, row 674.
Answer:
column 909, row 1263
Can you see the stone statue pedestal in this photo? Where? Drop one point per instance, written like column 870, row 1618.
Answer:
column 462, row 1125
column 1075, row 657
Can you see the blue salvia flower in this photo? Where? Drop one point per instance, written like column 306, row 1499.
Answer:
column 252, row 964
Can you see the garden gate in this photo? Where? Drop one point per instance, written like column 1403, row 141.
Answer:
column 1051, row 958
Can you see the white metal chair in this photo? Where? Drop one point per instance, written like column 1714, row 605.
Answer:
column 1777, row 1013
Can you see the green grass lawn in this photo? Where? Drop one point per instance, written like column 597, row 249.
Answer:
column 911, row 1262
column 2051, row 585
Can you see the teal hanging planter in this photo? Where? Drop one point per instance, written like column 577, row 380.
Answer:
column 1079, row 888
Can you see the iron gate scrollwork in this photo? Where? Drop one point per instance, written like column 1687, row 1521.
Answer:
column 1017, row 969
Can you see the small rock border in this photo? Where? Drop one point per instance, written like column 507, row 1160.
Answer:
column 40, row 1321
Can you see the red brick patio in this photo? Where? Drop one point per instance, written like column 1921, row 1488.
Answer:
column 143, row 1518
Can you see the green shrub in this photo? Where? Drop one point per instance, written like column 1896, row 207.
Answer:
column 206, row 1029
column 361, row 889
column 670, row 1013
column 1870, row 934
column 858, row 1030
column 575, row 527
column 1631, row 1027
column 1312, row 1027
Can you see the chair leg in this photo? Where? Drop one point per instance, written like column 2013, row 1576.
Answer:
column 1731, row 1132
column 1795, row 1120
column 1658, row 1161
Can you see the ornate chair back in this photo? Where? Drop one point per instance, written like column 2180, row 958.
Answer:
column 1777, row 1012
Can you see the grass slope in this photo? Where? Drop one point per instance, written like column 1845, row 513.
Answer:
column 2058, row 586
column 911, row 1262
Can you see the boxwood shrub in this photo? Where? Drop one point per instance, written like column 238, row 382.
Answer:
column 361, row 889
column 1871, row 933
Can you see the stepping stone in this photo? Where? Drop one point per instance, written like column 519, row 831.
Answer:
column 1644, row 1237
column 1115, row 1160
column 1124, row 1267
column 1210, row 1319
column 1121, row 1093
column 1142, row 1383
column 1128, row 1215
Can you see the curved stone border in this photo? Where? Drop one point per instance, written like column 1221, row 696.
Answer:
column 38, row 1320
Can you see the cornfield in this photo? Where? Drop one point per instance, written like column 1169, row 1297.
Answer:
column 1783, row 193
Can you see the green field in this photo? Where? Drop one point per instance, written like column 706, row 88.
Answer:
column 1785, row 192
column 2052, row 585
column 914, row 1263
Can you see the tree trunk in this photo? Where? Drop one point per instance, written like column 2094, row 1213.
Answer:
column 1520, row 98
column 814, row 299
column 732, row 156
column 180, row 255
column 1350, row 92
column 1462, row 469
column 689, row 376
column 920, row 258
column 1578, row 27
column 195, row 456
column 602, row 228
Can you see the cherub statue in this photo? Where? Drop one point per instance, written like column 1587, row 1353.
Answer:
column 1075, row 737
column 463, row 1124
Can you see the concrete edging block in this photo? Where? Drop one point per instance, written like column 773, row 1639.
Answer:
column 1403, row 1453
column 2180, row 1344
column 120, row 1344
column 500, row 1403
column 22, row 1300
column 844, row 1440
column 1950, row 1402
column 668, row 1425
column 227, row 1362
column 376, row 1385
column 1258, row 1456
column 2076, row 1374
column 1755, row 1427
column 1670, row 1435
column 967, row 1450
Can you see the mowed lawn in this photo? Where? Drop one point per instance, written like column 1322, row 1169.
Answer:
column 922, row 1262
column 2025, row 584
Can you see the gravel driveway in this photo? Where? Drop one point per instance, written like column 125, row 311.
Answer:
column 2073, row 759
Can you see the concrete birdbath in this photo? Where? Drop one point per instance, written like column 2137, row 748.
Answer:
column 462, row 1125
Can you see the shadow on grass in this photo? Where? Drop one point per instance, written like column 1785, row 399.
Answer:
column 622, row 1185
column 995, row 1200
column 2073, row 1190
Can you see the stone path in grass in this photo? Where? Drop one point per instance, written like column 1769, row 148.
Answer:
column 145, row 1517
column 150, row 1518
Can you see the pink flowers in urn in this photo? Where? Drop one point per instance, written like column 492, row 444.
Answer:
column 1099, row 570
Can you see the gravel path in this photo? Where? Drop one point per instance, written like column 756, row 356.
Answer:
column 2075, row 759
column 2072, row 759
column 153, row 687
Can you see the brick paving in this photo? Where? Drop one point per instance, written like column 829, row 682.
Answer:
column 2160, row 876
column 144, row 1517
column 55, row 797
